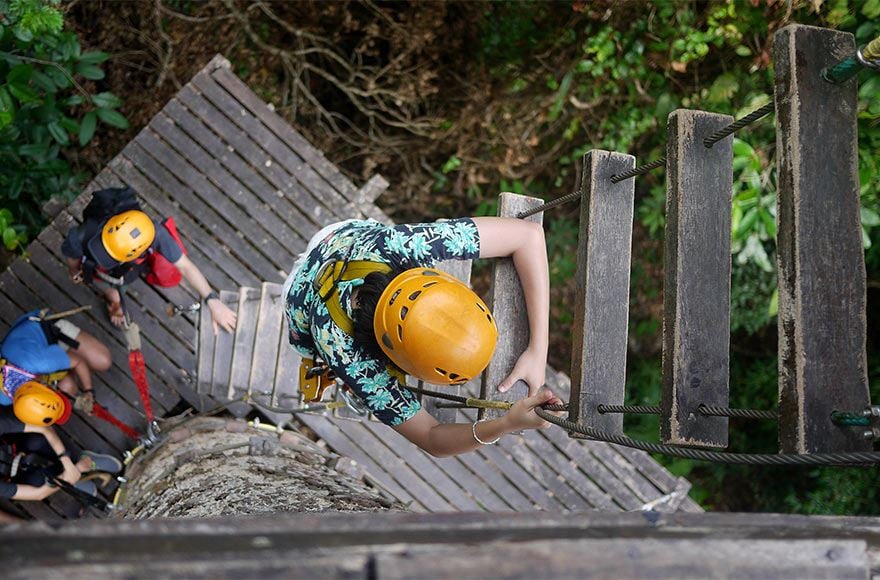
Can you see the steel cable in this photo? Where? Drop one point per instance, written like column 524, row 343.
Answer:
column 854, row 458
column 737, row 125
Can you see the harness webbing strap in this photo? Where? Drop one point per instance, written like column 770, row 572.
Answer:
column 101, row 413
column 139, row 374
column 341, row 271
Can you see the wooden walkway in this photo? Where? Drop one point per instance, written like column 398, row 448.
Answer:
column 247, row 192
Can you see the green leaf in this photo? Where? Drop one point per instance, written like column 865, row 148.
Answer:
column 20, row 74
column 773, row 307
column 58, row 133
column 94, row 57
column 10, row 238
column 7, row 108
column 73, row 101
column 44, row 82
column 34, row 149
column 871, row 8
column 743, row 50
column 106, row 101
column 87, row 127
column 112, row 118
column 769, row 222
column 24, row 93
column 870, row 218
column 90, row 71
column 58, row 76
column 724, row 88
column 5, row 216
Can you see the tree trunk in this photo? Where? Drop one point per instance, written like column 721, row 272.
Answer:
column 217, row 467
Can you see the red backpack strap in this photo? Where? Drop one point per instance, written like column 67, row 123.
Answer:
column 172, row 229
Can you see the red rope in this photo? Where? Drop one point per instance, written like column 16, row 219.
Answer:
column 139, row 374
column 102, row 413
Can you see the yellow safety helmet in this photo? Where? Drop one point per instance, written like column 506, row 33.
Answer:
column 123, row 238
column 434, row 327
column 38, row 405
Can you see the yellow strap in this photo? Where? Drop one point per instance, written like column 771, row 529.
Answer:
column 340, row 271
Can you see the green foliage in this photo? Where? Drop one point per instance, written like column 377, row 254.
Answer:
column 44, row 109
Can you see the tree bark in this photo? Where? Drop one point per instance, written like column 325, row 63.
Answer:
column 217, row 467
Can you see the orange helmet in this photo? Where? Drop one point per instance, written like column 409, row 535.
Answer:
column 434, row 327
column 123, row 238
column 38, row 405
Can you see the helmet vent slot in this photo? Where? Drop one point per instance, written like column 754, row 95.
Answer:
column 399, row 332
column 489, row 318
column 453, row 376
column 415, row 295
column 394, row 297
column 403, row 312
column 386, row 340
column 47, row 420
column 429, row 284
column 441, row 371
column 429, row 273
column 480, row 306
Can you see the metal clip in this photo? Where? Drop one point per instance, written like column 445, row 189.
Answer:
column 174, row 309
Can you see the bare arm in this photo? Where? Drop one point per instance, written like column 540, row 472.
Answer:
column 71, row 473
column 523, row 242
column 222, row 316
column 444, row 440
column 33, row 493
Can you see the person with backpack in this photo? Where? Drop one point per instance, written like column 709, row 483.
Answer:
column 117, row 243
column 365, row 306
column 32, row 456
column 37, row 348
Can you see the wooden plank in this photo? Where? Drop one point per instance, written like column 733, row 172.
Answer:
column 633, row 558
column 204, row 212
column 395, row 465
column 293, row 163
column 509, row 309
column 285, row 131
column 233, row 273
column 624, row 471
column 259, row 205
column 696, row 301
column 568, row 470
column 328, row 430
column 243, row 344
column 658, row 475
column 541, row 472
column 601, row 316
column 822, row 320
column 418, row 461
column 205, row 353
column 286, row 388
column 265, row 354
column 243, row 171
column 265, row 262
column 223, row 348
column 243, row 143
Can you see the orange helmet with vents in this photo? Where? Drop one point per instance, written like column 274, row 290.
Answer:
column 434, row 327
column 123, row 238
column 38, row 405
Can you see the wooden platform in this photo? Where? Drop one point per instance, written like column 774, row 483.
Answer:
column 247, row 192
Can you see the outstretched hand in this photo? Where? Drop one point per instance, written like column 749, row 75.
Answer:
column 222, row 316
column 530, row 368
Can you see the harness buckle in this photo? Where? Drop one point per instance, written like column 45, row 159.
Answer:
column 314, row 379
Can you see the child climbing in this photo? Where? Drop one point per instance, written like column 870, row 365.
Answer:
column 365, row 300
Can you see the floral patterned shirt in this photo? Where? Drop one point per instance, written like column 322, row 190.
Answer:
column 313, row 332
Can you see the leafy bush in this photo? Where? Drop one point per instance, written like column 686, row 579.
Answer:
column 44, row 108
